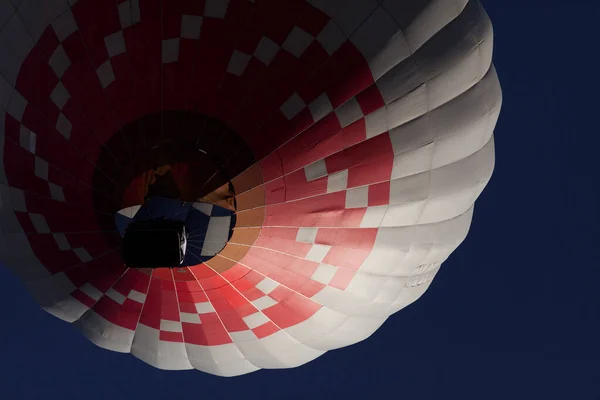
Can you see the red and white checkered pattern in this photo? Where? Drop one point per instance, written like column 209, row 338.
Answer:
column 373, row 127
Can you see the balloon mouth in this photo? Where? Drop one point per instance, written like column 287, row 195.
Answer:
column 171, row 159
column 168, row 233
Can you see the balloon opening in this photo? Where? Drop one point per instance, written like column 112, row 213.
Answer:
column 168, row 233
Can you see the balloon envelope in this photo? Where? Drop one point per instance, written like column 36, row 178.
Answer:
column 345, row 144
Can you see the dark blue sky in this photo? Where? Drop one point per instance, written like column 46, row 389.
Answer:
column 514, row 313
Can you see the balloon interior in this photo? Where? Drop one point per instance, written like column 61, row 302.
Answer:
column 230, row 185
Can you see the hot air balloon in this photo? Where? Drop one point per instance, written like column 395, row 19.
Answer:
column 230, row 185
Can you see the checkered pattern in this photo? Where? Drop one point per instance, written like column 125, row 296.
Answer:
column 318, row 98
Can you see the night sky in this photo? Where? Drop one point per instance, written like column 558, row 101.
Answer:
column 513, row 314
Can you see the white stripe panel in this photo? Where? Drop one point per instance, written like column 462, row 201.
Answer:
column 116, row 296
column 217, row 234
column 222, row 360
column 164, row 355
column 279, row 350
column 137, row 296
column 91, row 291
column 189, row 318
column 255, row 320
column 307, row 235
column 264, row 302
column 204, row 308
column 104, row 333
column 170, row 326
column 267, row 285
column 317, row 252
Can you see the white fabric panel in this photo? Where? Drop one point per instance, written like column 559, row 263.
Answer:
column 170, row 50
column 472, row 114
column 83, row 254
column 331, row 37
column 21, row 258
column 320, row 107
column 373, row 217
column 243, row 336
column 324, row 273
column 376, row 123
column 104, row 333
column 317, row 252
column 297, row 42
column 238, row 62
column 455, row 187
column 255, row 320
column 381, row 41
column 170, row 326
column 217, row 234
column 55, row 8
column 203, row 308
column 51, row 289
column 34, row 18
column 320, row 324
column 67, row 308
column 279, row 350
column 263, row 302
column 357, row 197
column 316, row 170
column 137, row 296
column 307, row 235
column 337, row 182
column 369, row 286
column 266, row 50
column 130, row 211
column 61, row 241
column 437, row 57
column 106, row 74
column 431, row 20
column 408, row 296
column 267, row 285
column 292, row 106
column 164, row 355
column 349, row 112
column 348, row 15
column 115, row 44
column 129, row 13
column 64, row 24
column 216, row 8
column 413, row 162
column 206, row 208
column 6, row 11
column 91, row 291
column 64, row 126
column 60, row 95
column 348, row 303
column 16, row 105
column 9, row 67
column 16, row 38
column 11, row 200
column 116, row 296
column 189, row 318
column 6, row 91
column 351, row 331
column 191, row 26
column 59, row 61
column 399, row 250
column 223, row 360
